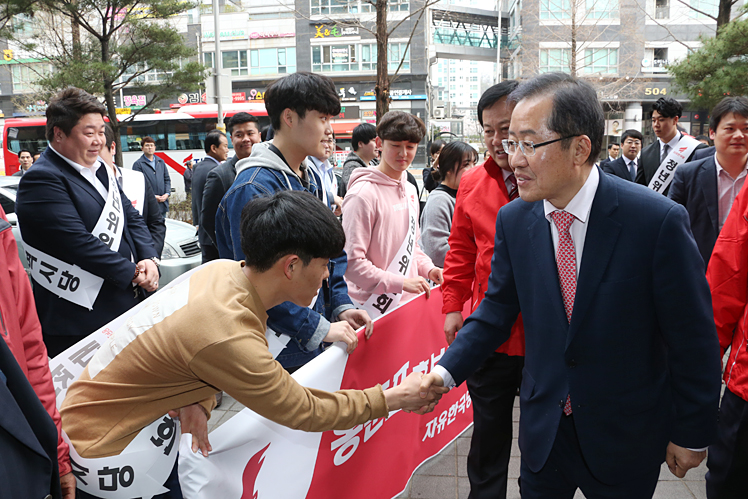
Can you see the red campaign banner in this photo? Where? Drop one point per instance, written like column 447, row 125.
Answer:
column 410, row 338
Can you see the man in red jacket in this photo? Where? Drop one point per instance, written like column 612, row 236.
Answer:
column 20, row 328
column 728, row 280
column 483, row 191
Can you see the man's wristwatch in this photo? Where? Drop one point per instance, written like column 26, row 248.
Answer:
column 156, row 261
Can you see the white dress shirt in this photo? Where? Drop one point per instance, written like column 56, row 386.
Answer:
column 507, row 182
column 673, row 142
column 628, row 165
column 727, row 189
column 579, row 206
column 87, row 173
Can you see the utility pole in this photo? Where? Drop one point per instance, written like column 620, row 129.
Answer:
column 218, row 63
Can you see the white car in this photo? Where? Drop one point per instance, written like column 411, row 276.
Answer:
column 181, row 250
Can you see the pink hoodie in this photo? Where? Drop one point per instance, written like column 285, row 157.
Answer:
column 375, row 220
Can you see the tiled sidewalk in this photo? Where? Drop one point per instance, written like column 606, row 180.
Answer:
column 445, row 477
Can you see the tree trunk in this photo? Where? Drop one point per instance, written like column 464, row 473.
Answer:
column 382, row 88
column 723, row 16
column 110, row 106
column 76, row 35
column 573, row 50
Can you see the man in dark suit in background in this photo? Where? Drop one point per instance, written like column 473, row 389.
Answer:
column 665, row 115
column 216, row 150
column 88, row 248
column 244, row 133
column 625, row 166
column 155, row 172
column 614, row 152
column 708, row 187
column 609, row 387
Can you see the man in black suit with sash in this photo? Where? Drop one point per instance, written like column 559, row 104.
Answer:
column 665, row 115
column 708, row 187
column 89, row 250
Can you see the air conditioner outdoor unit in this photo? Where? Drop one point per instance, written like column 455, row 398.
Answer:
column 439, row 112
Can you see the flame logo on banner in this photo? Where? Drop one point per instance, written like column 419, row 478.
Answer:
column 188, row 158
column 250, row 474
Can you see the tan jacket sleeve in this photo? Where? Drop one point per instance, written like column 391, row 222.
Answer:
column 243, row 367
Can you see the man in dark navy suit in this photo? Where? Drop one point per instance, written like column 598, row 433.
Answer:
column 626, row 164
column 28, row 437
column 622, row 360
column 155, row 172
column 89, row 250
column 708, row 187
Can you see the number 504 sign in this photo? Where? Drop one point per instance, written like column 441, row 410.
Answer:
column 655, row 91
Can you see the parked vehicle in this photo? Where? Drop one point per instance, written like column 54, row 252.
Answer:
column 181, row 249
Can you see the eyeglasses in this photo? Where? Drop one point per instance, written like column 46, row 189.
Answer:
column 527, row 146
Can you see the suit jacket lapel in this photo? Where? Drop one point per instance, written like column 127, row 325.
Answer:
column 77, row 178
column 707, row 180
column 602, row 234
column 542, row 245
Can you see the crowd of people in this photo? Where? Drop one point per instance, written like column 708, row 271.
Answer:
column 615, row 355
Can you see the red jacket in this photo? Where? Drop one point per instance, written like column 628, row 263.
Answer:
column 22, row 332
column 468, row 263
column 728, row 280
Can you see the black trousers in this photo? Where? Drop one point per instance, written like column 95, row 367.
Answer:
column 728, row 458
column 566, row 471
column 492, row 389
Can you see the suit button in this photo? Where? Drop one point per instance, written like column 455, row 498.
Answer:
column 561, row 403
column 572, row 363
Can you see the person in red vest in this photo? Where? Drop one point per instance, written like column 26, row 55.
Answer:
column 728, row 281
column 483, row 191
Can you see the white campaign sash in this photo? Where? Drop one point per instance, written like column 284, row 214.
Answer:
column 69, row 281
column 114, row 477
column 142, row 468
column 133, row 183
column 677, row 156
column 377, row 305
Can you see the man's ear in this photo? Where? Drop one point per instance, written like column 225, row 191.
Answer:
column 380, row 142
column 289, row 117
column 582, row 150
column 291, row 263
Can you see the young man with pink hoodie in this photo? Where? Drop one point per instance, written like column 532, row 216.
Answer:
column 385, row 263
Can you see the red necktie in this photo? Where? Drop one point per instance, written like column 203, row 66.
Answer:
column 513, row 192
column 566, row 261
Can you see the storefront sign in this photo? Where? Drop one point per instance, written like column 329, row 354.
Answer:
column 348, row 112
column 270, row 34
column 347, row 94
column 123, row 110
column 238, row 97
column 134, row 100
column 233, row 34
column 326, row 30
column 255, row 94
column 191, row 98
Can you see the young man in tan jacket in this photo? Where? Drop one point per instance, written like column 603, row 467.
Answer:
column 208, row 334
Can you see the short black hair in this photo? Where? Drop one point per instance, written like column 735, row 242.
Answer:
column 576, row 108
column 264, row 133
column 450, row 159
column 67, row 108
column 435, row 147
column 273, row 227
column 301, row 92
column 734, row 105
column 23, row 151
column 493, row 95
column 634, row 134
column 613, row 144
column 240, row 118
column 668, row 107
column 401, row 126
column 365, row 132
column 213, row 139
column 109, row 136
